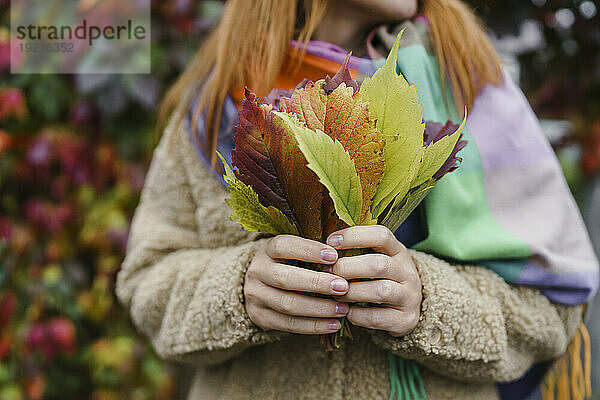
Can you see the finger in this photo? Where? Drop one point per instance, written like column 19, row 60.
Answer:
column 288, row 277
column 377, row 237
column 367, row 266
column 396, row 322
column 290, row 247
column 302, row 325
column 382, row 291
column 296, row 304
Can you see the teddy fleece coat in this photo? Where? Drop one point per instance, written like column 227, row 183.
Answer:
column 182, row 282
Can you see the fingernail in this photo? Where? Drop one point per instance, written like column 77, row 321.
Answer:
column 335, row 240
column 334, row 325
column 329, row 255
column 341, row 308
column 339, row 285
column 328, row 268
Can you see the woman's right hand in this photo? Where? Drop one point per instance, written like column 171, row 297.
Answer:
column 273, row 289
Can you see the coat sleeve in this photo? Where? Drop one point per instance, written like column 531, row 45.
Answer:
column 183, row 274
column 476, row 327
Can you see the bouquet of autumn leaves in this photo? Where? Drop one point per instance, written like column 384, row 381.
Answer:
column 331, row 154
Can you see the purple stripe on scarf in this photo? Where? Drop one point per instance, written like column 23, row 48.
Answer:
column 225, row 141
column 335, row 53
column 528, row 196
column 570, row 288
column 505, row 128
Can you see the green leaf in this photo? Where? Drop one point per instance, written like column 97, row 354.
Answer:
column 46, row 88
column 402, row 162
column 331, row 162
column 395, row 105
column 403, row 207
column 247, row 209
column 436, row 154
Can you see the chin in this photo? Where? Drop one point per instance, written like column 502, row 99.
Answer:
column 386, row 10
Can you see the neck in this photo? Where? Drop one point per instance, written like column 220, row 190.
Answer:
column 345, row 27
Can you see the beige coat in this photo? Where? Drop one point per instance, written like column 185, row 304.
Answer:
column 182, row 282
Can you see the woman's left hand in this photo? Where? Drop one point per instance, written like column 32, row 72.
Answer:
column 388, row 277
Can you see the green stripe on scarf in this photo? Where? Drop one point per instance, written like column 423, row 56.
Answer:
column 458, row 200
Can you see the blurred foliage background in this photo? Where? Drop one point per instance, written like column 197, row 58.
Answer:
column 74, row 151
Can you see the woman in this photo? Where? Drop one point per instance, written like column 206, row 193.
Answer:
column 230, row 303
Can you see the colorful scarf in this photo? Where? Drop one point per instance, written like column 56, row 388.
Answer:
column 507, row 207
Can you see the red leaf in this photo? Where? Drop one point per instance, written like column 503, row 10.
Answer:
column 434, row 131
column 302, row 187
column 342, row 76
column 268, row 159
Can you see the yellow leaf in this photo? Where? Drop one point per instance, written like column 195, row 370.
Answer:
column 395, row 105
column 247, row 209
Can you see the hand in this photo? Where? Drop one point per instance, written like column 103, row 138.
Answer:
column 393, row 280
column 272, row 289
